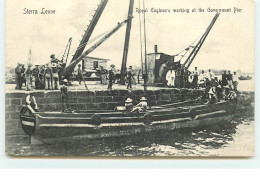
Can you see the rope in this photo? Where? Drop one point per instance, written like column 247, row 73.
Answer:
column 188, row 48
column 92, row 40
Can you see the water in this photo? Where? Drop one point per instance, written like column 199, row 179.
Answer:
column 237, row 139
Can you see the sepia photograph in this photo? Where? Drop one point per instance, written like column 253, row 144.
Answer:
column 129, row 79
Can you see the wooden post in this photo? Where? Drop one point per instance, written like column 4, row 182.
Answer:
column 127, row 38
column 145, row 53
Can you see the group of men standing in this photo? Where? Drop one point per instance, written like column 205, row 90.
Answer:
column 23, row 76
column 50, row 72
column 113, row 75
column 183, row 78
column 230, row 80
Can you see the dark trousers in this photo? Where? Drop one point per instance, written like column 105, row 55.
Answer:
column 18, row 82
column 129, row 85
column 110, row 83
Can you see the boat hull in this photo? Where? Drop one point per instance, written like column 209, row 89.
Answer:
column 55, row 127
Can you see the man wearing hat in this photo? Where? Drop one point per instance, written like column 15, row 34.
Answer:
column 35, row 73
column 31, row 103
column 28, row 76
column 129, row 77
column 18, row 73
column 142, row 106
column 129, row 105
column 64, row 97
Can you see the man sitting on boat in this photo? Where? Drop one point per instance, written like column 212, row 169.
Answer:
column 31, row 103
column 129, row 105
column 142, row 106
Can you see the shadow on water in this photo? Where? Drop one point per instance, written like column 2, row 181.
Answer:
column 182, row 142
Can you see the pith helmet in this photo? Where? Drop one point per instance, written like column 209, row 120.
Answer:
column 129, row 100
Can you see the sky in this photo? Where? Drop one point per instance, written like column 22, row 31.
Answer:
column 229, row 45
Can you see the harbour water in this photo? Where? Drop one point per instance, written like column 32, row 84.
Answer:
column 234, row 140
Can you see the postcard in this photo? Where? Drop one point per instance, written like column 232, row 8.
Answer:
column 130, row 78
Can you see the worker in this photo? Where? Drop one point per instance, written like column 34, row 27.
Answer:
column 31, row 103
column 129, row 105
column 212, row 95
column 228, row 94
column 210, row 75
column 103, row 73
column 55, row 76
column 195, row 78
column 18, row 73
column 202, row 79
column 23, row 79
column 224, row 79
column 79, row 74
column 129, row 78
column 35, row 73
column 111, row 77
column 170, row 77
column 28, row 75
column 48, row 77
column 235, row 81
column 186, row 74
column 142, row 106
column 53, row 59
column 64, row 97
column 190, row 80
column 138, row 76
column 229, row 79
column 177, row 78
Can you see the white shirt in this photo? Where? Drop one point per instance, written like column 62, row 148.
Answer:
column 202, row 77
column 32, row 100
column 235, row 78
